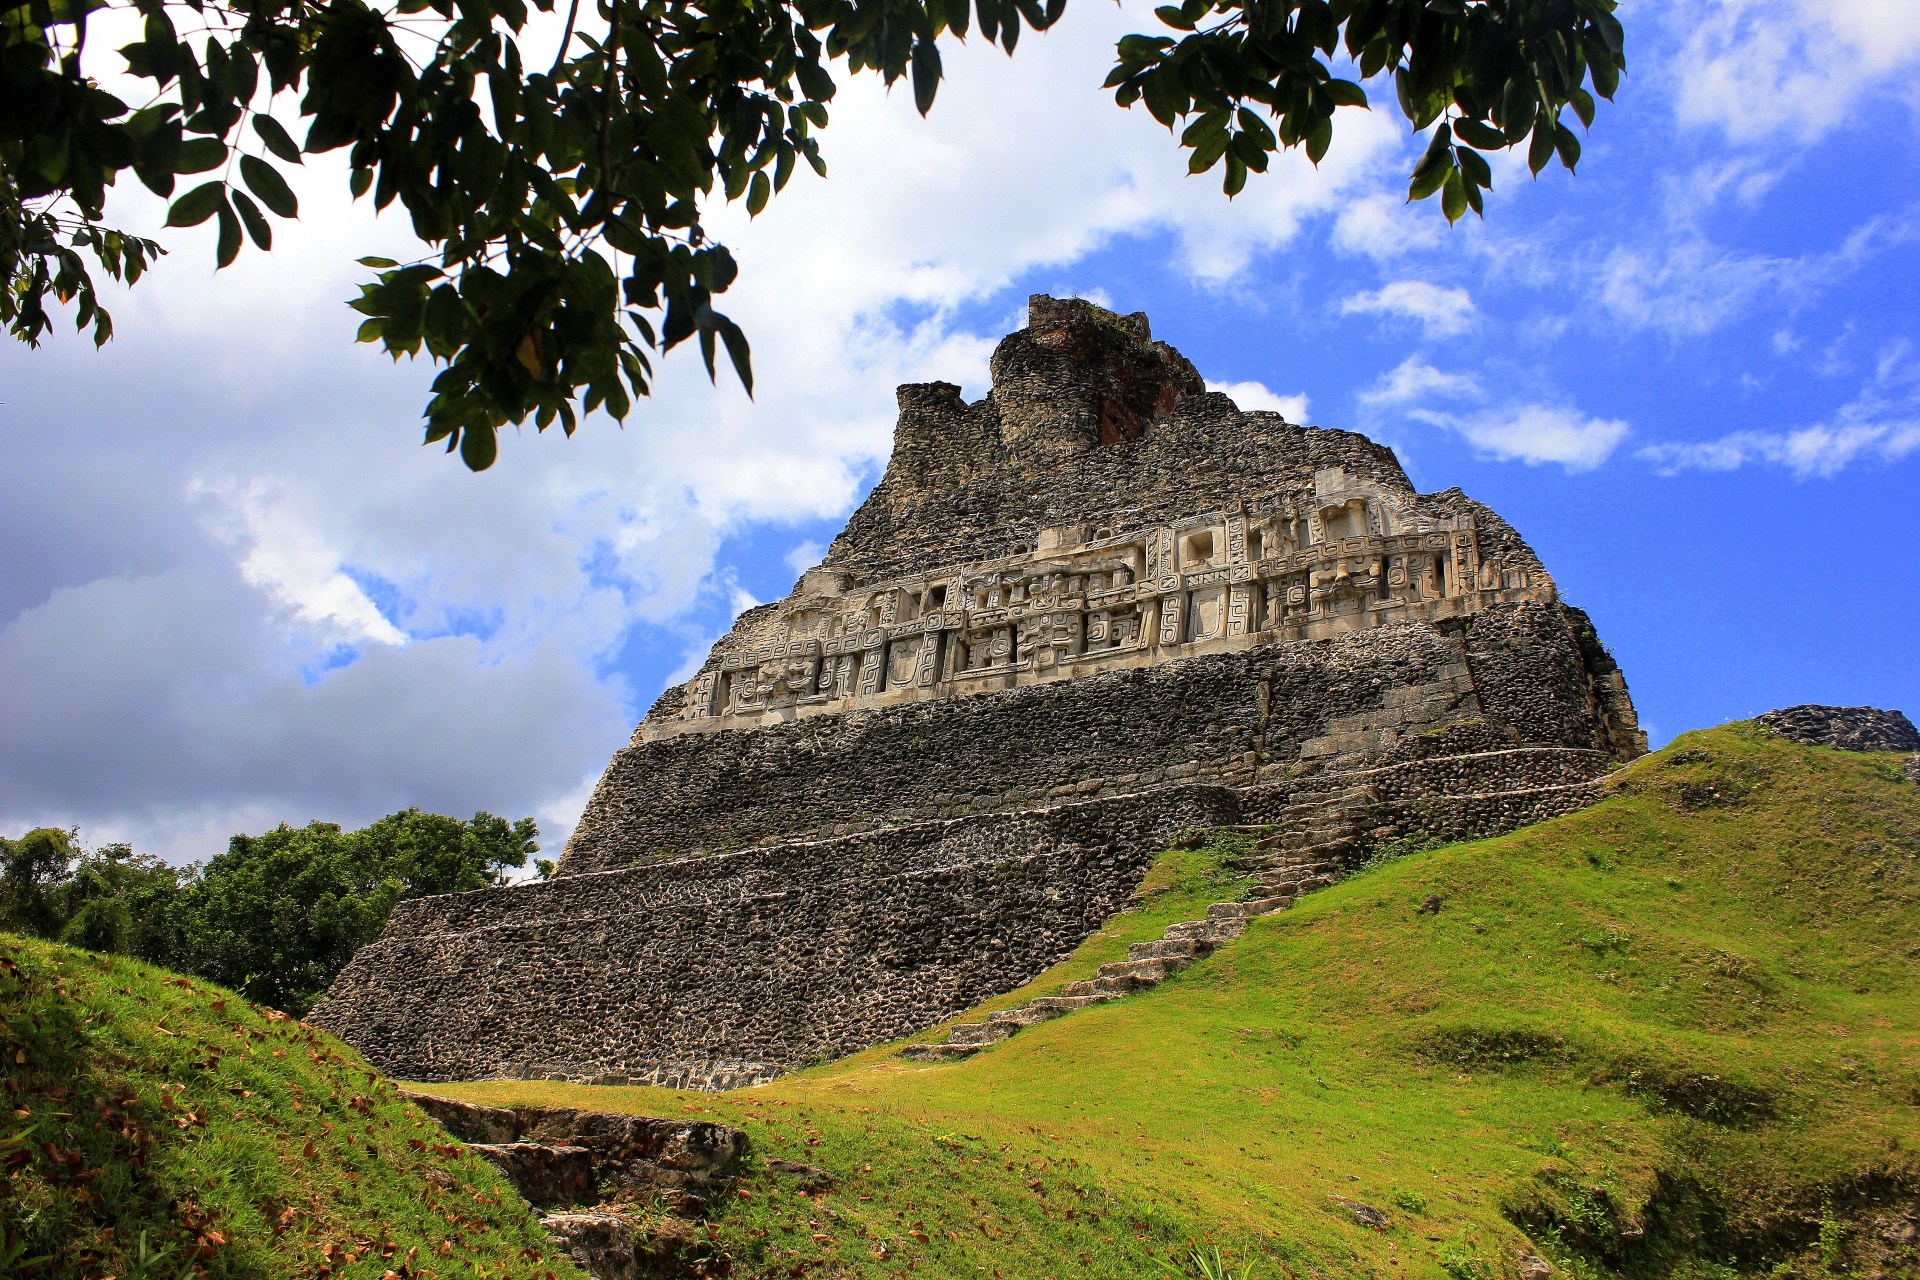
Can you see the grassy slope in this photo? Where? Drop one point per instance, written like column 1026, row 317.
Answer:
column 1672, row 1034
column 159, row 1127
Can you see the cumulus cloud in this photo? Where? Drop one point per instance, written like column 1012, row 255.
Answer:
column 1689, row 286
column 1439, row 310
column 1758, row 69
column 1879, row 426
column 804, row 556
column 239, row 592
column 1535, row 434
column 1513, row 431
column 1412, row 381
column 1254, row 395
column 1383, row 227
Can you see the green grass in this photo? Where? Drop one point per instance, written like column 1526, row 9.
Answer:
column 158, row 1128
column 1673, row 1034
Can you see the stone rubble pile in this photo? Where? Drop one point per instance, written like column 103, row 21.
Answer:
column 1847, row 728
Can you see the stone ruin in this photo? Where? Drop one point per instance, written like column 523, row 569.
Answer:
column 1843, row 728
column 1095, row 610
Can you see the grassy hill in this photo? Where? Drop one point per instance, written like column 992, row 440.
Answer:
column 1674, row 1034
column 157, row 1128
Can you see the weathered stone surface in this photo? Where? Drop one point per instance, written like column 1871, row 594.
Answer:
column 544, row 1175
column 610, row 1244
column 1848, row 728
column 468, row 1121
column 1095, row 610
column 684, row 1163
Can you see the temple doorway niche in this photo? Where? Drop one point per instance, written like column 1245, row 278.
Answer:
column 1348, row 520
column 1198, row 548
column 1206, row 613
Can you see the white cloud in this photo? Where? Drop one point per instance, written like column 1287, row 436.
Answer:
column 1757, row 69
column 301, row 613
column 1414, row 380
column 1532, row 433
column 1439, row 310
column 291, row 561
column 1254, row 395
column 1690, row 287
column 1383, row 227
column 1879, row 426
column 1535, row 434
column 804, row 556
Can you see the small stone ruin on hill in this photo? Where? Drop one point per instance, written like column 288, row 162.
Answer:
column 1845, row 728
column 1095, row 610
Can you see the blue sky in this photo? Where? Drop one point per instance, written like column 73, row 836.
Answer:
column 236, row 591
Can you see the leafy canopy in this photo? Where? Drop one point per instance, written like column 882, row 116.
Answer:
column 563, row 202
column 276, row 916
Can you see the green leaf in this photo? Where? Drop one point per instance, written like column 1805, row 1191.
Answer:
column 376, row 262
column 737, row 352
column 926, row 74
column 265, row 181
column 1475, row 167
column 1478, row 133
column 1541, row 149
column 1582, row 103
column 1319, row 140
column 162, row 48
column 1453, row 196
column 1173, row 17
column 1434, row 166
column 1567, row 145
column 1207, row 152
column 1345, row 93
column 229, row 235
column 254, row 220
column 1236, row 176
column 1256, row 129
column 198, row 155
column 199, row 204
column 278, row 140
column 478, row 447
column 758, row 193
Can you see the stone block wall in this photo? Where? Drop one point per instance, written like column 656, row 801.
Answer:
column 1219, row 716
column 740, row 965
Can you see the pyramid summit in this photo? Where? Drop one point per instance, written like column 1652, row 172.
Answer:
column 1097, row 609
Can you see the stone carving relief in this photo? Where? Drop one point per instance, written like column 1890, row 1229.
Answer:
column 1346, row 554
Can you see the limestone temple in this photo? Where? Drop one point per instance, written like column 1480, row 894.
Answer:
column 1094, row 611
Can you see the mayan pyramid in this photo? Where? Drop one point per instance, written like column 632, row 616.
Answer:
column 1094, row 611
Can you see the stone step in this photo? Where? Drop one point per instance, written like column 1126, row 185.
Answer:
column 1308, row 837
column 939, row 1052
column 1214, row 931
column 1304, row 866
column 1065, row 1004
column 1169, row 948
column 1147, row 970
column 1111, row 986
column 981, row 1033
column 1025, row 1016
column 1289, row 885
column 1248, row 910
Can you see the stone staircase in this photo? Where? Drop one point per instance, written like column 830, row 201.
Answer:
column 1282, row 874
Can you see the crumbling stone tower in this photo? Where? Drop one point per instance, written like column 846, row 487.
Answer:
column 1096, row 609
